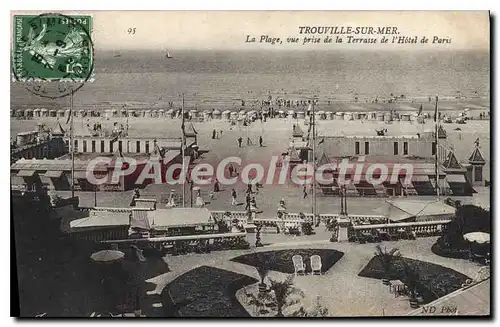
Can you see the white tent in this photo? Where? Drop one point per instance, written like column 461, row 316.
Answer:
column 403, row 210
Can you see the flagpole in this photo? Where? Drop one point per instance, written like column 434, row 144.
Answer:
column 313, row 191
column 182, row 153
column 72, row 147
column 436, row 140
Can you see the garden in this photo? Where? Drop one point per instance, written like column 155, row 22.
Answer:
column 281, row 260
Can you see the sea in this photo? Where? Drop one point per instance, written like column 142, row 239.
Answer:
column 213, row 78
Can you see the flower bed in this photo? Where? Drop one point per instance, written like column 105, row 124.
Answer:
column 205, row 292
column 436, row 279
column 281, row 260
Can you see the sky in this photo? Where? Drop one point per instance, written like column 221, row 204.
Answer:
column 226, row 30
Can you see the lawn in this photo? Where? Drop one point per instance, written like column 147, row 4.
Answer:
column 282, row 260
column 206, row 292
column 436, row 279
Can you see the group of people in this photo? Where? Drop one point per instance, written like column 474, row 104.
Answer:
column 216, row 134
column 250, row 202
column 249, row 141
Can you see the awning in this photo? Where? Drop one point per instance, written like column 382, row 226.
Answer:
column 81, row 174
column 420, row 178
column 403, row 182
column 53, row 173
column 455, row 178
column 26, row 173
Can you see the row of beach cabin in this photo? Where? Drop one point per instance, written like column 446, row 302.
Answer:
column 211, row 114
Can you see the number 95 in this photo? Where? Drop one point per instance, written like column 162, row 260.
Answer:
column 131, row 30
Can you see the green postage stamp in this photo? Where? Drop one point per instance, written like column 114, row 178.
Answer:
column 52, row 47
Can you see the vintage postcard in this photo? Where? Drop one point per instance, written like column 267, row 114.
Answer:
column 251, row 164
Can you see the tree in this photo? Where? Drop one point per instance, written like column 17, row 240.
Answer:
column 386, row 259
column 411, row 278
column 262, row 268
column 318, row 310
column 282, row 290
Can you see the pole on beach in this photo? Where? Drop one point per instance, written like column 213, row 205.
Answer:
column 182, row 153
column 313, row 189
column 436, row 140
column 71, row 146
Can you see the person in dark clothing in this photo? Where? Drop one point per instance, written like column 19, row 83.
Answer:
column 260, row 141
column 304, row 190
column 247, row 201
column 239, row 141
column 249, row 189
column 216, row 186
column 214, row 134
column 233, row 198
column 231, row 170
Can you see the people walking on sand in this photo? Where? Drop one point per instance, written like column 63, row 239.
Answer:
column 249, row 188
column 171, row 200
column 249, row 141
column 239, row 141
column 216, row 186
column 233, row 196
column 304, row 190
column 199, row 200
column 214, row 134
column 253, row 203
column 220, row 133
column 211, row 195
column 282, row 203
column 260, row 141
column 230, row 169
column 247, row 201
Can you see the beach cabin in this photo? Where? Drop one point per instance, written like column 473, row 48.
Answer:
column 322, row 115
column 146, row 114
column 52, row 113
column 161, row 113
column 123, row 113
column 339, row 116
column 291, row 114
column 242, row 115
column 169, row 113
column 233, row 115
column 193, row 113
column 131, row 113
column 28, row 113
column 301, row 115
column 330, row 115
column 108, row 113
column 207, row 114
column 44, row 112
column 216, row 114
column 67, row 112
column 60, row 113
column 154, row 113
column 405, row 117
column 36, row 112
column 387, row 116
column 348, row 116
column 252, row 115
column 282, row 114
column 226, row 114
column 379, row 116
